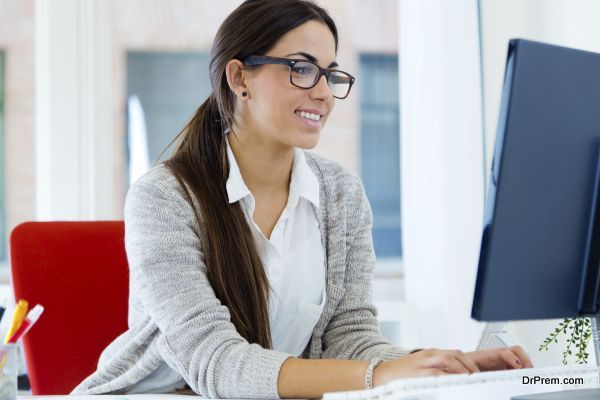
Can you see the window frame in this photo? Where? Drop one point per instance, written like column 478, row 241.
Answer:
column 3, row 227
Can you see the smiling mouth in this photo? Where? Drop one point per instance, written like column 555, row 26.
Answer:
column 310, row 116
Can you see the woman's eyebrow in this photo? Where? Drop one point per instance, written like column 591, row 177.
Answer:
column 312, row 58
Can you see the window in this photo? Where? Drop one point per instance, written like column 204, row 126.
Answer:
column 380, row 149
column 3, row 238
column 170, row 86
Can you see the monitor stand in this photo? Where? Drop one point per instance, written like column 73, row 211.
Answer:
column 495, row 335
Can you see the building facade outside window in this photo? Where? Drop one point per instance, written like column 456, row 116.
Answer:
column 380, row 149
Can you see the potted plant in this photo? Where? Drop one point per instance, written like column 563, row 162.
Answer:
column 578, row 332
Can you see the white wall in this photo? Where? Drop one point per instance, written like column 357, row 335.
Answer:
column 73, row 112
column 572, row 23
column 441, row 166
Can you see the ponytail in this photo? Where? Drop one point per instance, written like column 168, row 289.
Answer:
column 233, row 266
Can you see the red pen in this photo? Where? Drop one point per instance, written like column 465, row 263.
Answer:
column 30, row 320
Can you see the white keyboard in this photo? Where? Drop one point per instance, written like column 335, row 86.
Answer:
column 497, row 385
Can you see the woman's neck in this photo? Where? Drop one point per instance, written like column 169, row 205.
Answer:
column 265, row 167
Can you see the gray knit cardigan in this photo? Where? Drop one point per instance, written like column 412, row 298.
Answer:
column 175, row 317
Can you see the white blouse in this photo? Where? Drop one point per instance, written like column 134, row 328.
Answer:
column 294, row 260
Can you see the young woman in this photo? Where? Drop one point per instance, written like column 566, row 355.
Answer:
column 251, row 260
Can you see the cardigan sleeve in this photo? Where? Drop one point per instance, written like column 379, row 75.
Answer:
column 167, row 271
column 353, row 331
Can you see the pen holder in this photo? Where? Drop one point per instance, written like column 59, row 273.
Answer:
column 8, row 372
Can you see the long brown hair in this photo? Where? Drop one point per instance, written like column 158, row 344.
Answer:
column 200, row 164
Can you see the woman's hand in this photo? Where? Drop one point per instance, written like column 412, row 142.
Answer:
column 433, row 362
column 429, row 362
column 498, row 359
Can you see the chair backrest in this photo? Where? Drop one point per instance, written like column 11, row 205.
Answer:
column 78, row 271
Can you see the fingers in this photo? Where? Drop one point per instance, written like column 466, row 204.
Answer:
column 457, row 362
column 451, row 361
column 522, row 356
column 457, row 367
column 511, row 359
column 467, row 362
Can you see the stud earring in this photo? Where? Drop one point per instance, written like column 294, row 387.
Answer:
column 244, row 94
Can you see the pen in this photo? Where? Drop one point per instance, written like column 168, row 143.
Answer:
column 30, row 320
column 18, row 317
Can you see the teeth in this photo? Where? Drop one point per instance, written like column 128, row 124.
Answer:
column 314, row 117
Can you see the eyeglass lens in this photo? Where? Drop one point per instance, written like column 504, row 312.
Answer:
column 305, row 75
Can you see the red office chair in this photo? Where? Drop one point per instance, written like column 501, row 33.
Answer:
column 78, row 272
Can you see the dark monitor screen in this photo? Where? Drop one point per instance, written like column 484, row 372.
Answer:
column 538, row 258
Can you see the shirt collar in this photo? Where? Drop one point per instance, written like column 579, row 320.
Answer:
column 236, row 188
column 304, row 183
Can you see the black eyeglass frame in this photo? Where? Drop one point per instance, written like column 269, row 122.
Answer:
column 261, row 60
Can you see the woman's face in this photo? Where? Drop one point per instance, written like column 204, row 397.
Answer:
column 272, row 111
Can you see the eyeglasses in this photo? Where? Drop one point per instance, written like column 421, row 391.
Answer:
column 306, row 74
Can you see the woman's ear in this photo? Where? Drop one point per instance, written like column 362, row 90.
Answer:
column 236, row 78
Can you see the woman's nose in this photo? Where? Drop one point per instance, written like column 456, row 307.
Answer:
column 322, row 90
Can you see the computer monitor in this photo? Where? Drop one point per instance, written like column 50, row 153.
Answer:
column 540, row 247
